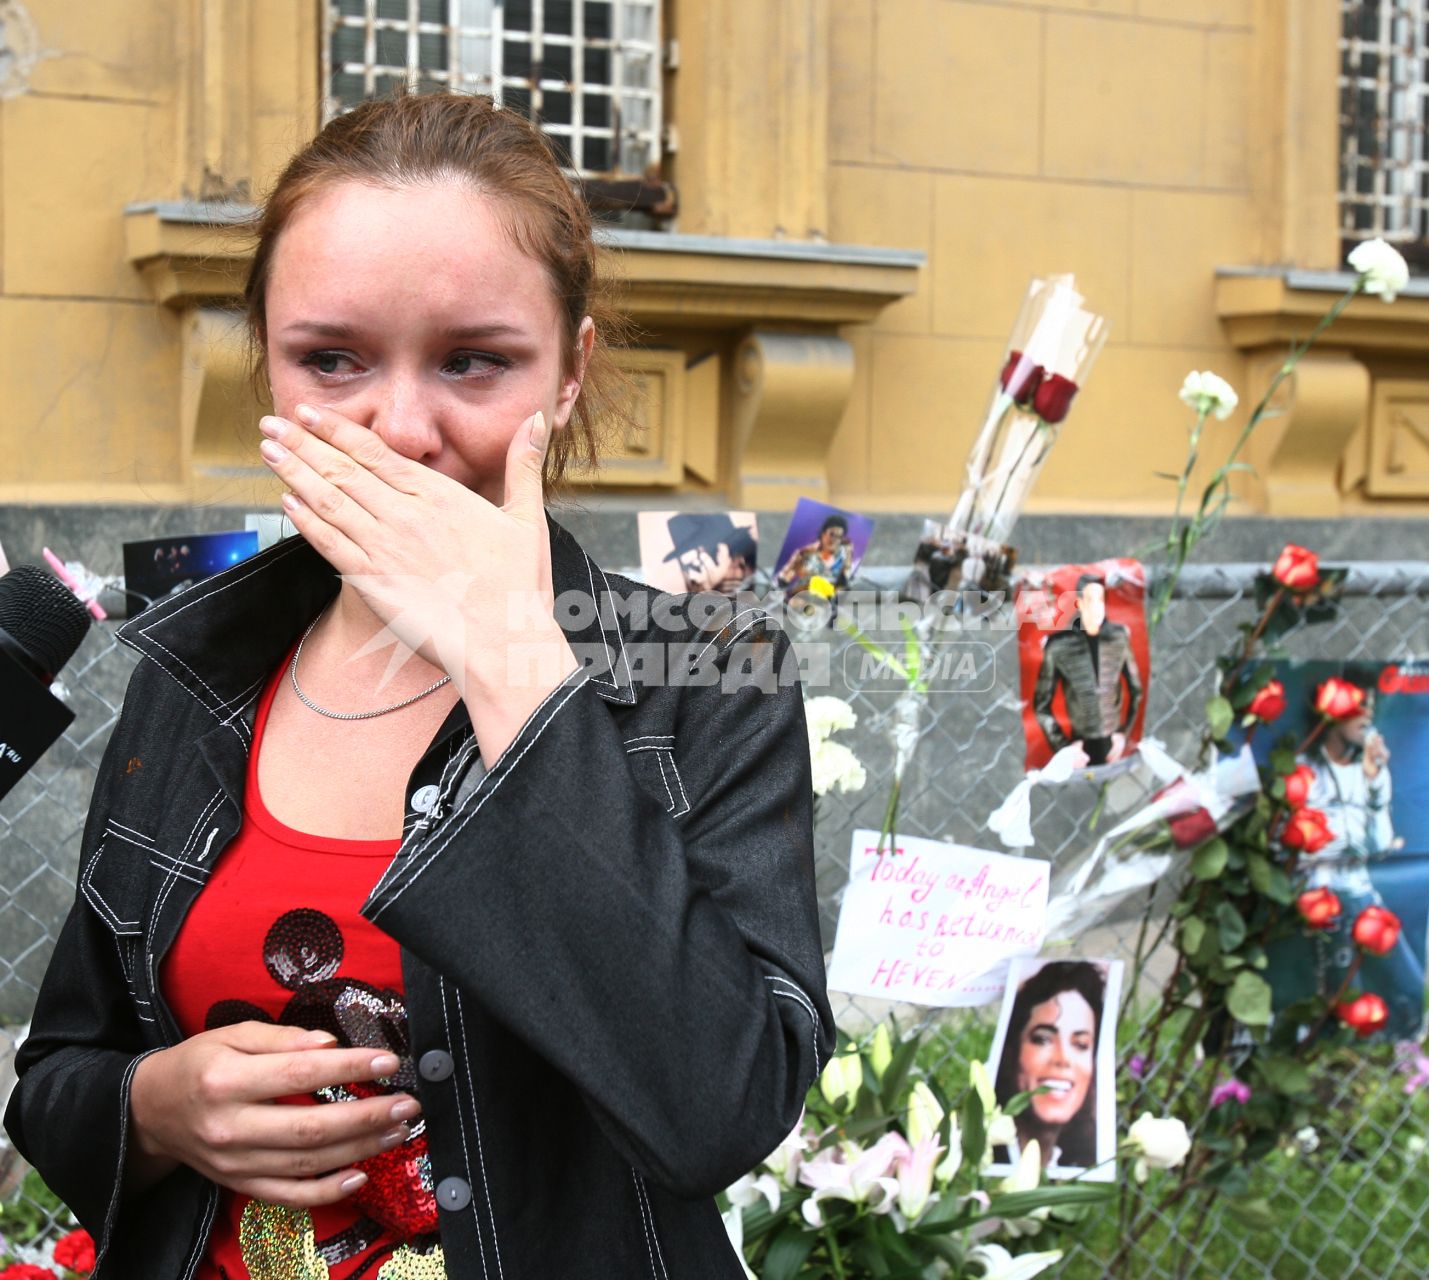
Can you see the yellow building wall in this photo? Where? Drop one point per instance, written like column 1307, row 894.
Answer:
column 1140, row 144
column 1109, row 138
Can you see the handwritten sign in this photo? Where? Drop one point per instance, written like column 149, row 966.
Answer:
column 935, row 923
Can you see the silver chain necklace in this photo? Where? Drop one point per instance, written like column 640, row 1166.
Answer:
column 348, row 715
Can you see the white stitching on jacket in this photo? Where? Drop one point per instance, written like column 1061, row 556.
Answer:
column 476, row 1124
column 794, row 993
column 762, row 617
column 456, row 823
column 461, row 1130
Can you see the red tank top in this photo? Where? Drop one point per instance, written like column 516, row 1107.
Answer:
column 275, row 936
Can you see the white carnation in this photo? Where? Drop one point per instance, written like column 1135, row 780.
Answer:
column 1157, row 1144
column 836, row 767
column 1207, row 392
column 827, row 714
column 1383, row 267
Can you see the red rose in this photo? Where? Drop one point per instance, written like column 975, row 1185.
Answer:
column 1377, row 930
column 1191, row 829
column 1319, row 908
column 1306, row 831
column 1269, row 702
column 1053, row 398
column 76, row 1251
column 1297, row 785
column 1364, row 1015
column 27, row 1271
column 1297, row 568
column 1021, row 378
column 1338, row 699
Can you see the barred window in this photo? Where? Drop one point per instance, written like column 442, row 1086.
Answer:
column 1384, row 108
column 587, row 71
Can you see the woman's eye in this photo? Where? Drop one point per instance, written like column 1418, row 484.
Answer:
column 327, row 363
column 474, row 364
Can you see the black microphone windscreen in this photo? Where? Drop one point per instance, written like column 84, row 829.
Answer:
column 42, row 616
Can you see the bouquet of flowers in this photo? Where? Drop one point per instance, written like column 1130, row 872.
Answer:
column 884, row 1177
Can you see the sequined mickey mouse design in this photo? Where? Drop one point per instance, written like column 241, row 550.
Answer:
column 302, row 953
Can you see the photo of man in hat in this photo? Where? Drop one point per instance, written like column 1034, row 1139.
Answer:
column 699, row 551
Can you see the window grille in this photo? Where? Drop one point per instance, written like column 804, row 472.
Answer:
column 587, row 71
column 1384, row 108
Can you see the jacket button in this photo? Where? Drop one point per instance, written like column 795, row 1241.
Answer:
column 453, row 1194
column 435, row 1064
column 424, row 798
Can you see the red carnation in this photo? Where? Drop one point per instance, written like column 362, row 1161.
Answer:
column 1377, row 930
column 1053, row 398
column 1364, row 1015
column 1021, row 377
column 1268, row 702
column 1338, row 699
column 1297, row 568
column 27, row 1271
column 1306, row 831
column 1297, row 785
column 76, row 1251
column 1319, row 908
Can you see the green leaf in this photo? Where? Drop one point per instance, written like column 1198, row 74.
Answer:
column 974, row 1126
column 1270, row 879
column 787, row 1253
column 1249, row 999
column 946, row 1214
column 1210, row 859
column 1254, row 1212
column 895, row 1076
column 1192, row 932
column 1284, row 1074
column 1219, row 715
column 1231, row 925
column 1018, row 1204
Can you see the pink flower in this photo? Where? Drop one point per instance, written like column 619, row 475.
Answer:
column 1136, row 1066
column 1231, row 1090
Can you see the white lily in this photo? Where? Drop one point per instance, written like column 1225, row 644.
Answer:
column 915, row 1176
column 1383, row 267
column 750, row 1189
column 783, row 1161
column 733, row 1219
column 1028, row 1174
column 982, row 1082
column 999, row 1264
column 847, row 1172
column 953, row 1161
column 880, row 1051
column 841, row 1080
column 924, row 1113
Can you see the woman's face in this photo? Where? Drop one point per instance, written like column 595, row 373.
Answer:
column 1058, row 1051
column 411, row 311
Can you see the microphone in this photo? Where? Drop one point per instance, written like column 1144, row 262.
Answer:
column 41, row 625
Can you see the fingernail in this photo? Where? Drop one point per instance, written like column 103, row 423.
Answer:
column 319, row 1038
column 538, row 431
column 271, row 426
column 395, row 1137
column 308, row 414
column 384, row 1064
column 272, row 451
column 406, row 1109
column 351, row 1183
column 291, row 502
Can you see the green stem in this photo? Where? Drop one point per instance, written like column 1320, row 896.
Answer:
column 831, row 1243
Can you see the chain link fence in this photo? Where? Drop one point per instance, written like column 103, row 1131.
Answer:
column 1351, row 1208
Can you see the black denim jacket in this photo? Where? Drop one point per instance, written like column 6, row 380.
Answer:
column 610, row 939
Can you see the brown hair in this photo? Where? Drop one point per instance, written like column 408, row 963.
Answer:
column 411, row 139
